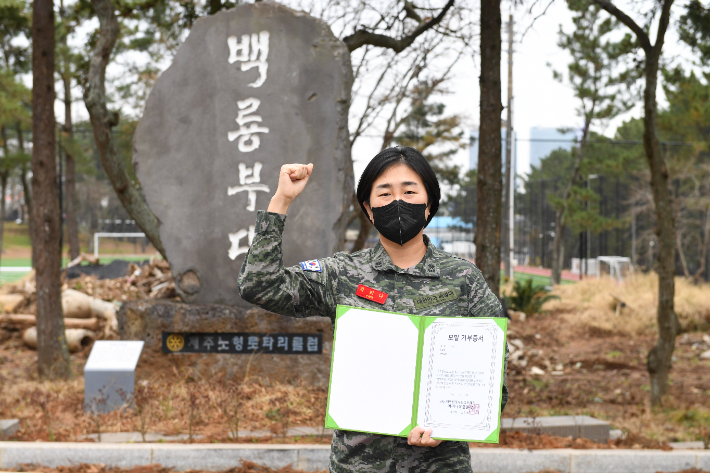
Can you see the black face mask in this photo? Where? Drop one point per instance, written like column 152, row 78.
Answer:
column 399, row 221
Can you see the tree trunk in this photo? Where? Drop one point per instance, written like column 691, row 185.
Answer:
column 26, row 195
column 3, row 183
column 561, row 215
column 704, row 250
column 70, row 172
column 660, row 356
column 365, row 226
column 489, row 184
column 70, row 169
column 681, row 253
column 101, row 122
column 52, row 352
column 3, row 186
column 557, row 258
column 26, row 189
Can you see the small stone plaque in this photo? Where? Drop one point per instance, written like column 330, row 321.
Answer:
column 109, row 374
column 244, row 343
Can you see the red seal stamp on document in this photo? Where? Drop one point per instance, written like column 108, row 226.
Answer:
column 371, row 294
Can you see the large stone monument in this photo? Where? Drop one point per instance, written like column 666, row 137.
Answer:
column 251, row 88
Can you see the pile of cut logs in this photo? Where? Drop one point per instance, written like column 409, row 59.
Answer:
column 89, row 304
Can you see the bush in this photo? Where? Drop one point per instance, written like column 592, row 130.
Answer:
column 527, row 297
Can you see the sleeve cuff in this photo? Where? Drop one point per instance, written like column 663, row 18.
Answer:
column 269, row 222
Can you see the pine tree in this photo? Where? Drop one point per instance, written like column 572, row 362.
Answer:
column 596, row 81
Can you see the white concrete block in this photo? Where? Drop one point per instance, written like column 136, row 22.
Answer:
column 57, row 454
column 222, row 457
column 630, row 461
column 316, row 457
column 504, row 460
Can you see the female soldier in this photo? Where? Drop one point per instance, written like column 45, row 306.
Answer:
column 400, row 194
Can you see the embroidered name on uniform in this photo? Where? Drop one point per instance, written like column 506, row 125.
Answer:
column 312, row 265
column 434, row 299
column 371, row 294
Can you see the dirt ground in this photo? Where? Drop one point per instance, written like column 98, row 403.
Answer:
column 587, row 366
column 611, row 383
column 245, row 467
column 604, row 370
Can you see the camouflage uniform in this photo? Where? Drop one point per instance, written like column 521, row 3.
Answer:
column 264, row 281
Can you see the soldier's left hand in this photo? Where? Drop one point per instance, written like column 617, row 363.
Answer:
column 422, row 438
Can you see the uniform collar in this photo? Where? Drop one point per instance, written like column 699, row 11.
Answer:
column 427, row 267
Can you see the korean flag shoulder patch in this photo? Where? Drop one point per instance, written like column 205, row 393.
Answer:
column 312, row 265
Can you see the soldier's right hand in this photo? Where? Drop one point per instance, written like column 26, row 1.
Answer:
column 292, row 181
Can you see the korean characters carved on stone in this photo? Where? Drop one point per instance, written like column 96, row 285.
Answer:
column 249, row 182
column 252, row 52
column 248, row 139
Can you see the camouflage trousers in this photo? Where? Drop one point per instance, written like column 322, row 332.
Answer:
column 356, row 452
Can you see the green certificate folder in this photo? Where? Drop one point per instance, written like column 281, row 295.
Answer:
column 391, row 372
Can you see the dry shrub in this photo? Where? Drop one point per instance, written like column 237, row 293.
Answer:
column 591, row 302
column 47, row 411
column 299, row 406
column 55, row 410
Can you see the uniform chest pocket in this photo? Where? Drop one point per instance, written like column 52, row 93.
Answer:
column 445, row 303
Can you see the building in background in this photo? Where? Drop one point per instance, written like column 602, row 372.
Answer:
column 473, row 149
column 544, row 141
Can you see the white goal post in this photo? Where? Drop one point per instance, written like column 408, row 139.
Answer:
column 98, row 235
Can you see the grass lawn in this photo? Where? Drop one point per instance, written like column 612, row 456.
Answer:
column 26, row 262
column 16, row 245
column 537, row 279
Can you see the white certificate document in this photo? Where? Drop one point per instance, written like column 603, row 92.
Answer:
column 461, row 378
column 392, row 372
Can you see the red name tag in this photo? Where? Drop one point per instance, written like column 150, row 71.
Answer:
column 371, row 294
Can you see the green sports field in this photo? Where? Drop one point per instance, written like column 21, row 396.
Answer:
column 537, row 279
column 6, row 277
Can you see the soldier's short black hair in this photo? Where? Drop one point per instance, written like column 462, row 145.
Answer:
column 400, row 155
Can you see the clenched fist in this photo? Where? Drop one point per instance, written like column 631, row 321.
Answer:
column 292, row 180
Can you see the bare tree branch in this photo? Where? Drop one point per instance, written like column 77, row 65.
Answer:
column 532, row 23
column 662, row 27
column 362, row 37
column 643, row 38
column 102, row 121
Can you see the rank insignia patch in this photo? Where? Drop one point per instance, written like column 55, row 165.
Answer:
column 312, row 265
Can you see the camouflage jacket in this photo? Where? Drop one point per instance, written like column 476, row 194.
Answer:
column 295, row 292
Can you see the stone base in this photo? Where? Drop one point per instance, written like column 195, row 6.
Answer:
column 147, row 319
column 560, row 426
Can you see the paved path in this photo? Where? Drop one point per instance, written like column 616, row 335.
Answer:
column 217, row 457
